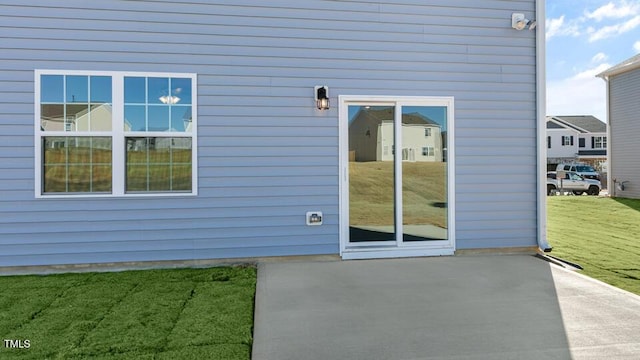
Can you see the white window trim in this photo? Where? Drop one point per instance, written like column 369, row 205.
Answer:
column 368, row 250
column 428, row 151
column 118, row 134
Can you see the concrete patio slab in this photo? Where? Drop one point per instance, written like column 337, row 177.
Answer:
column 462, row 307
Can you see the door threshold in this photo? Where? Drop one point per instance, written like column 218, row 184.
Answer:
column 385, row 253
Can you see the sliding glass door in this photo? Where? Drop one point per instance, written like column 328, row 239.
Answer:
column 372, row 215
column 424, row 173
column 396, row 187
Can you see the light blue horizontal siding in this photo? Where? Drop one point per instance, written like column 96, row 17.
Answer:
column 231, row 214
column 200, row 203
column 266, row 156
column 272, row 228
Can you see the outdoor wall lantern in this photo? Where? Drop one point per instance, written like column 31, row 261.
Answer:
column 519, row 22
column 322, row 97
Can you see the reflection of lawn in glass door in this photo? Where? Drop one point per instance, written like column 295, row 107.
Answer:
column 424, row 200
column 371, row 193
column 424, row 194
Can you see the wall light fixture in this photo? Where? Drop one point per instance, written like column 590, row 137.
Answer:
column 322, row 97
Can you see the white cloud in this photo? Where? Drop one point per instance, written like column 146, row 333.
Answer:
column 591, row 73
column 623, row 16
column 613, row 30
column 581, row 94
column 558, row 27
column 636, row 46
column 553, row 26
column 614, row 11
column 599, row 57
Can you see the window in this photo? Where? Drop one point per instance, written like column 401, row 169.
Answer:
column 427, row 132
column 599, row 142
column 567, row 141
column 428, row 151
column 581, row 142
column 584, row 168
column 548, row 142
column 115, row 133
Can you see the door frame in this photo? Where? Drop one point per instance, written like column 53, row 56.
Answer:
column 367, row 250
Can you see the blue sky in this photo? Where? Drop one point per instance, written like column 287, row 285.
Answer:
column 584, row 38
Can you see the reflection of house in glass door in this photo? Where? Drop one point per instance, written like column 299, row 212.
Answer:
column 421, row 136
column 395, row 203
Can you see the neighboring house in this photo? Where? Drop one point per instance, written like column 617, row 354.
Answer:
column 421, row 137
column 84, row 117
column 623, row 109
column 140, row 131
column 576, row 139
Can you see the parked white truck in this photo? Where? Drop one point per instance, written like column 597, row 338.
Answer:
column 585, row 170
column 573, row 182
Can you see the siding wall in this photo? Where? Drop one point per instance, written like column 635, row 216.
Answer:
column 588, row 140
column 624, row 118
column 266, row 156
column 563, row 151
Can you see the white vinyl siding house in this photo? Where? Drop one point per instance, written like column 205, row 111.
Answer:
column 576, row 139
column 422, row 138
column 233, row 172
column 623, row 107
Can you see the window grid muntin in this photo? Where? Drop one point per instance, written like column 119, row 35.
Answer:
column 68, row 164
column 118, row 159
column 69, row 122
column 149, row 105
column 149, row 164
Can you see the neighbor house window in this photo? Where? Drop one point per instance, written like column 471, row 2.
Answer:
column 581, row 142
column 428, row 151
column 567, row 140
column 599, row 142
column 427, row 132
column 548, row 142
column 115, row 133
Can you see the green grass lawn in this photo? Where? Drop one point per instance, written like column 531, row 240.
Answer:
column 152, row 314
column 600, row 234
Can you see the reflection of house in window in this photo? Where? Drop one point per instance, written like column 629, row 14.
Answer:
column 408, row 154
column 77, row 117
column 371, row 136
column 69, row 123
column 187, row 119
column 428, row 151
column 175, row 143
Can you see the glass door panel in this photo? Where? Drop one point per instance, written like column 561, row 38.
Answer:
column 371, row 173
column 424, row 173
